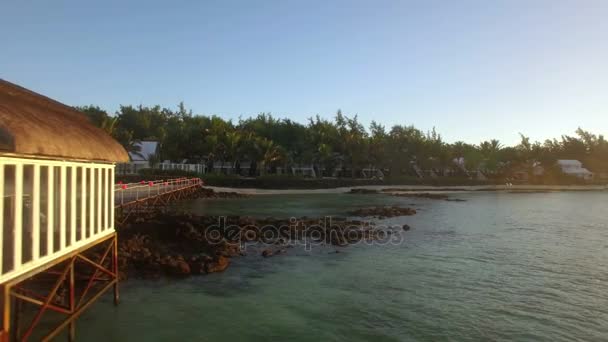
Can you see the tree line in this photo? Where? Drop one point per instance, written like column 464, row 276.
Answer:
column 341, row 144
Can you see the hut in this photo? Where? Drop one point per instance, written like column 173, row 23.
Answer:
column 56, row 183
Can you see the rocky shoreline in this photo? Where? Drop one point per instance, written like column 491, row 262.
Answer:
column 204, row 192
column 180, row 245
column 422, row 195
column 363, row 191
column 397, row 193
column 383, row 212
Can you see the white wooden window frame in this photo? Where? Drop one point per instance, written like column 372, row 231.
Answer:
column 101, row 174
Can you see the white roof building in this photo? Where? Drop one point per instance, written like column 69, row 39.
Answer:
column 146, row 148
column 574, row 168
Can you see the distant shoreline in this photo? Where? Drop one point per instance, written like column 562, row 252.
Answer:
column 414, row 189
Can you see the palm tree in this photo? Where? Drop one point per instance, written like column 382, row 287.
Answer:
column 109, row 125
column 266, row 153
column 153, row 160
column 233, row 147
column 490, row 152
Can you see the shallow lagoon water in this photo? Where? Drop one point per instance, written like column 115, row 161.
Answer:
column 500, row 266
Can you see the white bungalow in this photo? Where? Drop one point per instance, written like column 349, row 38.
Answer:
column 56, row 183
column 224, row 167
column 372, row 172
column 304, row 170
column 167, row 165
column 574, row 168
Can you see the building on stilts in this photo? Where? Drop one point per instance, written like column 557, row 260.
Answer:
column 57, row 238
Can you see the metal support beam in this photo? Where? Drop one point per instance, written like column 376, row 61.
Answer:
column 23, row 291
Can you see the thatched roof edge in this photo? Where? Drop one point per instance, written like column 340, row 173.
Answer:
column 33, row 124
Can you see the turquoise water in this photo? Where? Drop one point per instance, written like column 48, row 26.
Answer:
column 498, row 267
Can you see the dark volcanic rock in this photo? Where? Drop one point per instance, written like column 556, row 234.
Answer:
column 218, row 264
column 383, row 212
column 197, row 267
column 179, row 245
column 210, row 193
column 177, row 266
column 422, row 195
column 338, row 240
column 363, row 191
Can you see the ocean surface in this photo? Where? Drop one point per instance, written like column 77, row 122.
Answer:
column 498, row 267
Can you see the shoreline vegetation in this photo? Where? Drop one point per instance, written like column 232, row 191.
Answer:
column 265, row 151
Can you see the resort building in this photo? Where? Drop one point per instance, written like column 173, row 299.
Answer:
column 56, row 186
column 167, row 165
column 372, row 173
column 304, row 170
column 574, row 168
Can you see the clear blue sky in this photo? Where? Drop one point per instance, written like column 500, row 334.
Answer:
column 474, row 69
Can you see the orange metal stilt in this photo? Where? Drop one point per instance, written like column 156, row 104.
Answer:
column 101, row 275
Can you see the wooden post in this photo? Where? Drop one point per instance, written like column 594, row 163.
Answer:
column 18, row 217
column 6, row 316
column 36, row 214
column 62, row 206
column 1, row 211
column 115, row 268
column 73, row 206
column 72, row 326
column 91, row 201
column 50, row 214
column 83, row 203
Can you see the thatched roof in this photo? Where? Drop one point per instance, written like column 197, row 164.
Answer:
column 32, row 124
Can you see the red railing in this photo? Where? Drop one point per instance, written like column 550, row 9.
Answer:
column 126, row 193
